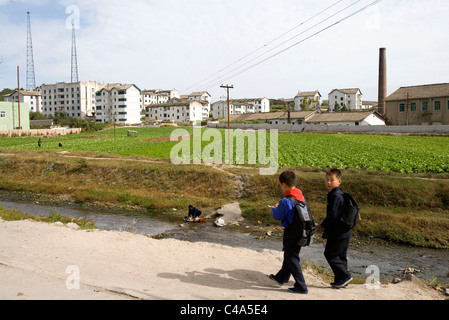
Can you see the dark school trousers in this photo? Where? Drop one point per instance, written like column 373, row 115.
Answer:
column 336, row 255
column 291, row 267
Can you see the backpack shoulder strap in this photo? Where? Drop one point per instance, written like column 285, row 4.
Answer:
column 292, row 199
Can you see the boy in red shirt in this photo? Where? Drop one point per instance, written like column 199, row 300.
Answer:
column 284, row 211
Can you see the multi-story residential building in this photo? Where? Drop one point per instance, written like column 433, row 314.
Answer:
column 219, row 109
column 77, row 99
column 119, row 103
column 261, row 105
column 351, row 99
column 419, row 105
column 32, row 98
column 309, row 100
column 202, row 96
column 176, row 110
column 159, row 96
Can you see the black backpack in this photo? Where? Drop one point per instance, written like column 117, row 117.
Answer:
column 301, row 231
column 350, row 214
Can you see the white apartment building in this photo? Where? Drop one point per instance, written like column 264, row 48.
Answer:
column 202, row 96
column 310, row 98
column 32, row 98
column 159, row 96
column 77, row 99
column 176, row 110
column 119, row 103
column 351, row 98
column 219, row 109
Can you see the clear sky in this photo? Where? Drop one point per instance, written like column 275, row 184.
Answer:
column 178, row 43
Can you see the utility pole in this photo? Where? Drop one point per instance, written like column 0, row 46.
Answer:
column 227, row 87
column 18, row 94
column 113, row 119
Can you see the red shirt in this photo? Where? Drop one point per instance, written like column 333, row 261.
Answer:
column 296, row 193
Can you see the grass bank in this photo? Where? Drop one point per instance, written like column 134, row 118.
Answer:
column 402, row 208
column 14, row 215
column 405, row 209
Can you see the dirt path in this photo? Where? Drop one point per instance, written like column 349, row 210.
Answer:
column 43, row 261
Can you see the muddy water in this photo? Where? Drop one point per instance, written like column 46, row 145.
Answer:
column 390, row 259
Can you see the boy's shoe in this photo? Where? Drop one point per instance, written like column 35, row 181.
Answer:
column 297, row 290
column 342, row 283
column 272, row 277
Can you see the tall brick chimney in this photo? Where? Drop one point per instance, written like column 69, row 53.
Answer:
column 382, row 80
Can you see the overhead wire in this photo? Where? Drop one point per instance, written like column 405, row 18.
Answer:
column 215, row 82
column 286, row 41
column 265, row 45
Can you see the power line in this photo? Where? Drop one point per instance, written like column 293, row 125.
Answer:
column 289, row 47
column 264, row 46
column 297, row 35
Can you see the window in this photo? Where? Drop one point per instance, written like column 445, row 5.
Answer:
column 425, row 106
column 437, row 105
column 413, row 107
column 402, row 107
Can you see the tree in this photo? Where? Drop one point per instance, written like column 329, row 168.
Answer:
column 37, row 116
column 345, row 108
column 308, row 104
column 337, row 107
column 5, row 92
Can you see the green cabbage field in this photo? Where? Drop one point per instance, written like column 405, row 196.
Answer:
column 406, row 154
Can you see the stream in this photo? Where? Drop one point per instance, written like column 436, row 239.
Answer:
column 389, row 258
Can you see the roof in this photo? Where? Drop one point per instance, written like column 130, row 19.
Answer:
column 196, row 94
column 348, row 91
column 156, row 92
column 340, row 117
column 175, row 103
column 308, row 93
column 246, row 100
column 420, row 92
column 25, row 93
column 111, row 86
column 271, row 115
column 39, row 123
column 118, row 86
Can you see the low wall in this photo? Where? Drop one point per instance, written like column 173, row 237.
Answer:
column 38, row 132
column 338, row 128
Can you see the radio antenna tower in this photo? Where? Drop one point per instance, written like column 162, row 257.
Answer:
column 74, row 57
column 31, row 77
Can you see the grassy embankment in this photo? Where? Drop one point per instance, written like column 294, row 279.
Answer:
column 409, row 209
column 399, row 208
column 14, row 215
